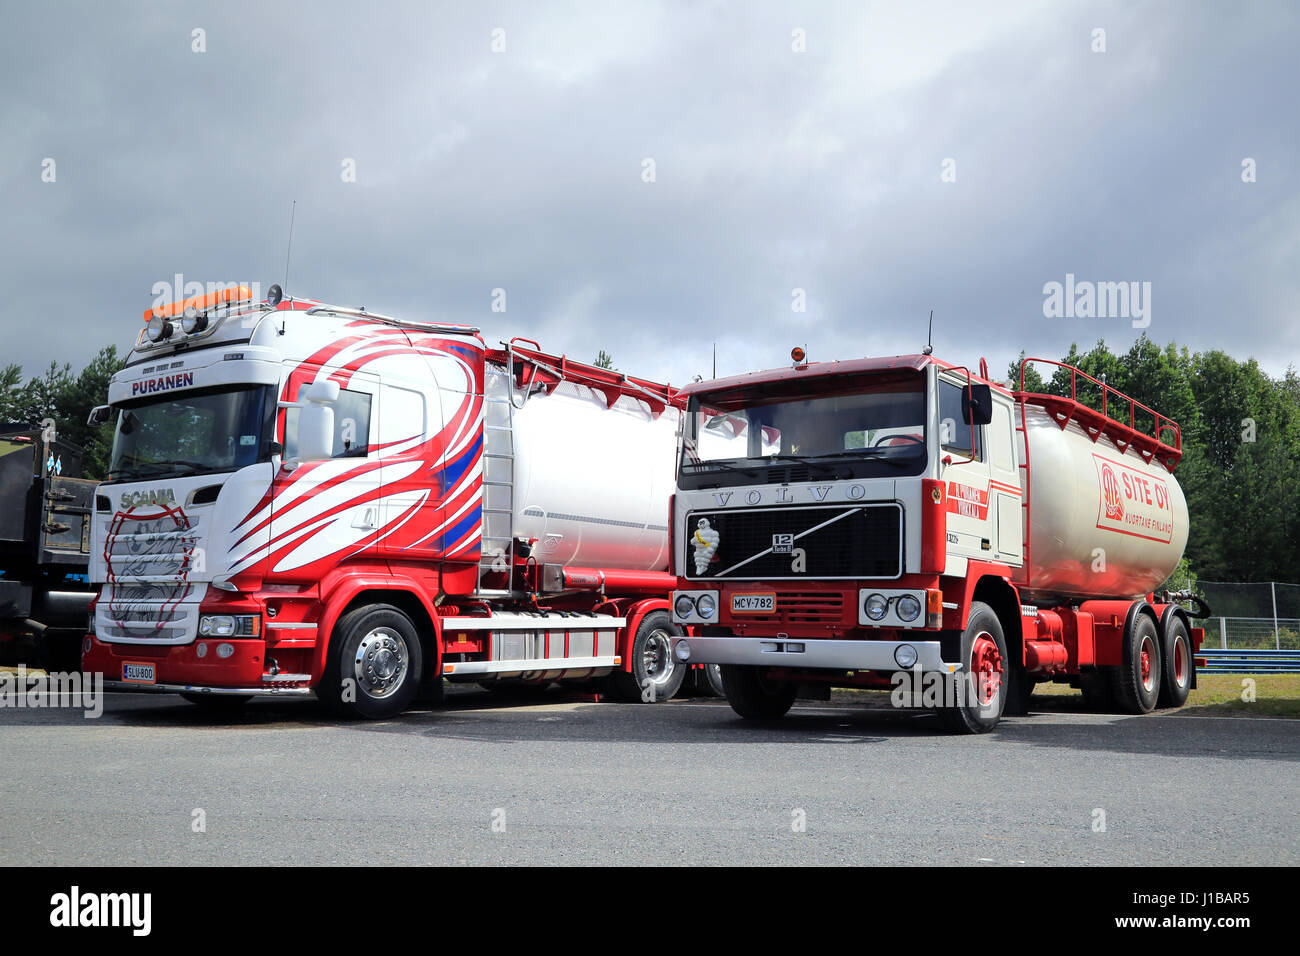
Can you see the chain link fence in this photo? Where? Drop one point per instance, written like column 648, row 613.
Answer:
column 1251, row 615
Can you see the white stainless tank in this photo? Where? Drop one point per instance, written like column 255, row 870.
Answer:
column 1102, row 523
column 592, row 483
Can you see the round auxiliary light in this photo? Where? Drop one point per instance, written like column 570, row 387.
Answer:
column 193, row 321
column 158, row 329
column 909, row 608
column 876, row 606
column 201, row 649
column 274, row 295
column 905, row 656
column 684, row 606
column 936, row 494
column 682, row 651
column 225, row 650
column 706, row 605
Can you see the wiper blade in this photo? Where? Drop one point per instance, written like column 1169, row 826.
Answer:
column 726, row 466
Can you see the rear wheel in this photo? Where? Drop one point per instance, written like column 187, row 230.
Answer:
column 753, row 696
column 1176, row 679
column 375, row 663
column 1137, row 679
column 656, row 675
column 982, row 686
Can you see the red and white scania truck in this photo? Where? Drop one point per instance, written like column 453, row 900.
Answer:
column 306, row 499
column 895, row 522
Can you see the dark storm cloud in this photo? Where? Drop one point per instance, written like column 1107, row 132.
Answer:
column 775, row 170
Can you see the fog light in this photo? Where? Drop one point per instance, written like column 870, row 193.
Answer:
column 706, row 605
column 682, row 651
column 876, row 606
column 905, row 656
column 684, row 606
column 201, row 650
column 908, row 607
column 225, row 650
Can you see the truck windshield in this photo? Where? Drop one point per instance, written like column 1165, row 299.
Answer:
column 192, row 433
column 870, row 427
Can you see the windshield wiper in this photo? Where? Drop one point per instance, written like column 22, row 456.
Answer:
column 803, row 460
column 192, row 468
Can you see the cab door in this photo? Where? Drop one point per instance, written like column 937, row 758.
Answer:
column 964, row 469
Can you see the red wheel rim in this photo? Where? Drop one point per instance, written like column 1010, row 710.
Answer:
column 1148, row 658
column 985, row 668
column 1180, row 661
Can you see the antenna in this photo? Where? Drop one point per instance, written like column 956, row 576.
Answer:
column 715, row 359
column 929, row 337
column 292, row 209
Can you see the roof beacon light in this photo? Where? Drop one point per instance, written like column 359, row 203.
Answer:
column 798, row 355
column 158, row 329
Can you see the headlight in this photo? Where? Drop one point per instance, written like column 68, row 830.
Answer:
column 684, row 606
column 706, row 605
column 909, row 608
column 229, row 625
column 876, row 606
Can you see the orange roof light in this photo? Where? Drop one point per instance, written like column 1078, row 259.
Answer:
column 798, row 355
column 200, row 302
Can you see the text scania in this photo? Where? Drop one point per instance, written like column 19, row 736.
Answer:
column 150, row 385
column 74, row 908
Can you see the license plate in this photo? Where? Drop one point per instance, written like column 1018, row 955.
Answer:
column 753, row 603
column 138, row 673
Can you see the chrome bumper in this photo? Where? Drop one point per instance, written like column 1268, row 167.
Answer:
column 263, row 690
column 852, row 655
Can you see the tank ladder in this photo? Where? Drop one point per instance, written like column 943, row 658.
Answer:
column 498, row 542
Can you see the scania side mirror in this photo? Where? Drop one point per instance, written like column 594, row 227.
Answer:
column 978, row 407
column 315, row 424
column 99, row 415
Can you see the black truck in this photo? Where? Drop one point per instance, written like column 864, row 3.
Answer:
column 45, row 515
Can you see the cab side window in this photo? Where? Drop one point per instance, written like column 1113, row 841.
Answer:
column 956, row 435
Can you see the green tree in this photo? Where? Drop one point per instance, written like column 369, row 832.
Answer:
column 604, row 360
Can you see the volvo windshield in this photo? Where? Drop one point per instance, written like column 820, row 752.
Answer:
column 193, row 433
column 861, row 427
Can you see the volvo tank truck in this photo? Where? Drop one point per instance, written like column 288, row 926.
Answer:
column 305, row 499
column 904, row 523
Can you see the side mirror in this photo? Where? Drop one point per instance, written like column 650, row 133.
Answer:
column 978, row 407
column 316, row 421
column 99, row 415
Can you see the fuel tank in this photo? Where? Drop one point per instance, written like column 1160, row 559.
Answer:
column 1102, row 522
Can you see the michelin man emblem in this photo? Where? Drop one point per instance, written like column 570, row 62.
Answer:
column 706, row 541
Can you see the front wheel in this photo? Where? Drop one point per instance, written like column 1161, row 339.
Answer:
column 656, row 675
column 375, row 663
column 979, row 693
column 753, row 696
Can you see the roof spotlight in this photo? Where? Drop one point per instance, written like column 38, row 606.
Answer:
column 193, row 321
column 274, row 295
column 158, row 329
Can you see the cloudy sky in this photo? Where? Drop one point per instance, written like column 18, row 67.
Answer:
column 653, row 177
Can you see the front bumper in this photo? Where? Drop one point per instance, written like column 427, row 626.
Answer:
column 269, row 689
column 838, row 655
column 180, row 669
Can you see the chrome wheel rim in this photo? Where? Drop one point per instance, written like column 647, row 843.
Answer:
column 381, row 662
column 657, row 657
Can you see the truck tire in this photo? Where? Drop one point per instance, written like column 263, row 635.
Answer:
column 982, row 651
column 656, row 675
column 713, row 678
column 753, row 696
column 1179, row 664
column 374, row 663
column 227, row 705
column 1098, row 690
column 1137, row 679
